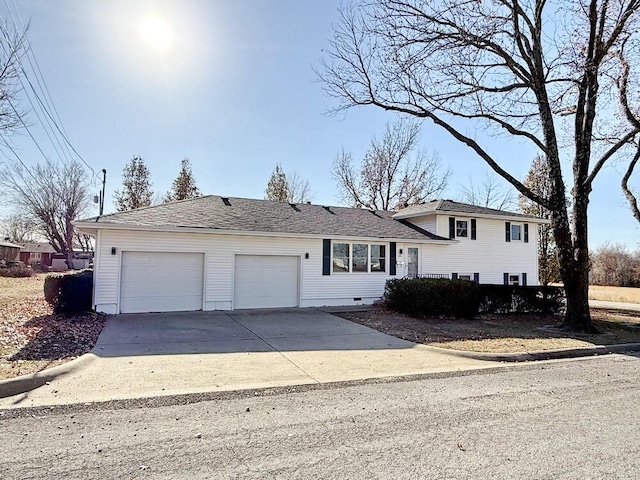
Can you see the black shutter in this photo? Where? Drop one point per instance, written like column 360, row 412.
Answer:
column 454, row 276
column 526, row 233
column 524, row 279
column 452, row 227
column 392, row 258
column 476, row 277
column 507, row 231
column 326, row 256
column 473, row 229
column 505, row 278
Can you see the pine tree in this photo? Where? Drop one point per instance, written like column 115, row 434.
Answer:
column 537, row 180
column 136, row 186
column 278, row 186
column 184, row 185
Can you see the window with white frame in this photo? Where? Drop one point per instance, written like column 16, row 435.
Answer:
column 358, row 257
column 461, row 228
column 514, row 279
column 516, row 232
column 464, row 277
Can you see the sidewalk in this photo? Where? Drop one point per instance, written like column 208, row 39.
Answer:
column 634, row 307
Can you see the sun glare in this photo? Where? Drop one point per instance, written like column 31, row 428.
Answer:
column 156, row 32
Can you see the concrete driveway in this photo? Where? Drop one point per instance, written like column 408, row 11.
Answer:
column 147, row 355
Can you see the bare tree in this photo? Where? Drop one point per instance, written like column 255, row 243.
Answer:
column 614, row 265
column 391, row 175
column 299, row 189
column 12, row 43
column 293, row 189
column 53, row 194
column 633, row 117
column 488, row 193
column 526, row 69
column 19, row 228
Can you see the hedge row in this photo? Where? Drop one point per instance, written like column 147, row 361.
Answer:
column 69, row 294
column 518, row 299
column 423, row 297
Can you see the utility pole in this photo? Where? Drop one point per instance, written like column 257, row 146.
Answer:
column 104, row 181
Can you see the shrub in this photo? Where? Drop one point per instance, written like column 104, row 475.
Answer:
column 69, row 294
column 423, row 297
column 519, row 299
column 17, row 272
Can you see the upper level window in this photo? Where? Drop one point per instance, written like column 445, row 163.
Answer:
column 516, row 232
column 514, row 279
column 461, row 228
column 359, row 257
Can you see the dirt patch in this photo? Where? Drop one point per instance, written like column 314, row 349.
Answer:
column 32, row 338
column 501, row 333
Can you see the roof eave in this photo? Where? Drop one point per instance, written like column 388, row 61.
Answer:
column 93, row 227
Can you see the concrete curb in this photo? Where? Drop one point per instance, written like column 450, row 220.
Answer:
column 26, row 383
column 541, row 354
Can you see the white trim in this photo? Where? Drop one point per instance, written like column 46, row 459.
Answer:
column 144, row 228
column 350, row 243
column 447, row 213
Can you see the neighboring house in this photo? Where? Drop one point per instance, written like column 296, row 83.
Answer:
column 219, row 253
column 37, row 253
column 9, row 252
column 43, row 254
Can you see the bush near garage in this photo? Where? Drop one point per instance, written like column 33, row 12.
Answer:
column 69, row 294
column 520, row 299
column 426, row 297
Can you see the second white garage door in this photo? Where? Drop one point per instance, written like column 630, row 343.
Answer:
column 266, row 281
column 161, row 282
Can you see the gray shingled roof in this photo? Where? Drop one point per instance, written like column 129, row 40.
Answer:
column 455, row 207
column 242, row 214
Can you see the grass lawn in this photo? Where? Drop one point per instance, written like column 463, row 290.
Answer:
column 614, row 294
column 31, row 337
column 502, row 333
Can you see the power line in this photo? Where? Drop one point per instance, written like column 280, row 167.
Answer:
column 45, row 92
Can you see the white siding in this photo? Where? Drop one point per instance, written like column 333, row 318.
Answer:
column 219, row 251
column 489, row 255
column 428, row 223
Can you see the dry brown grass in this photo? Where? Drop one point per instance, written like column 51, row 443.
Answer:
column 503, row 333
column 614, row 294
column 31, row 337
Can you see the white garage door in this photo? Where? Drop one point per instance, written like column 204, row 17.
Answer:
column 266, row 281
column 161, row 282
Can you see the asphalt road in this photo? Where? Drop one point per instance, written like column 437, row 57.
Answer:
column 568, row 419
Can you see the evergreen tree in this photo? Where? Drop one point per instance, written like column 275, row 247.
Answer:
column 184, row 185
column 278, row 186
column 537, row 180
column 136, row 186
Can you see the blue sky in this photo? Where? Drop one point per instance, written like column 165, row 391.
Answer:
column 236, row 93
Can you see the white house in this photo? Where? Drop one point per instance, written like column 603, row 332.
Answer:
column 219, row 253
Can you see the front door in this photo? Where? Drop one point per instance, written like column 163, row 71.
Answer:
column 412, row 261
